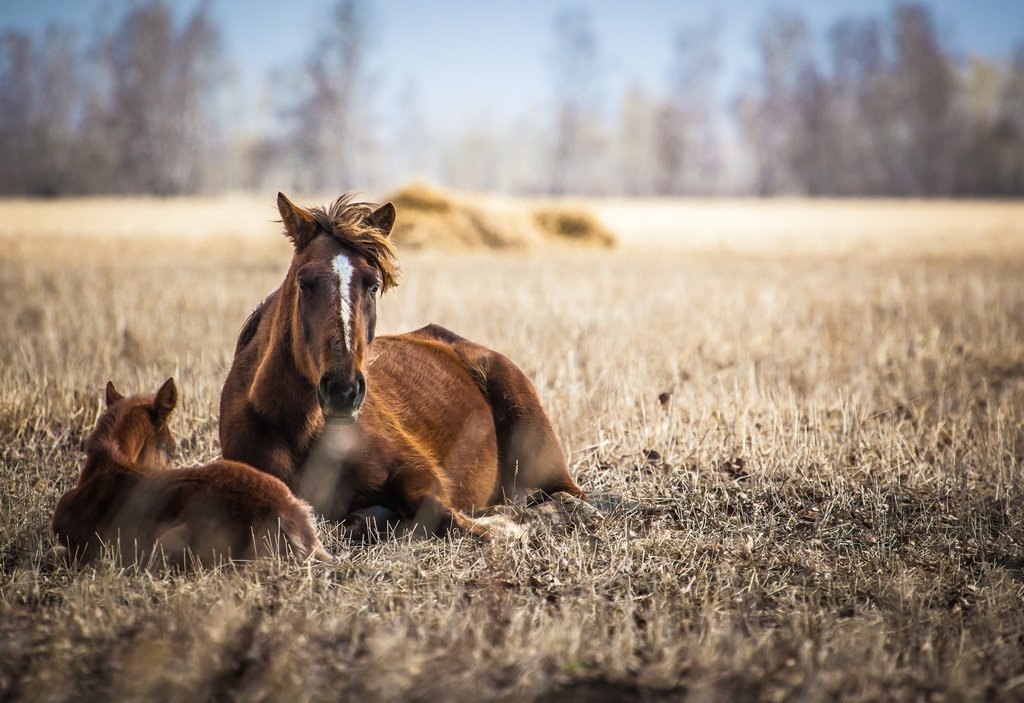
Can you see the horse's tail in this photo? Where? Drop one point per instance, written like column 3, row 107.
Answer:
column 299, row 528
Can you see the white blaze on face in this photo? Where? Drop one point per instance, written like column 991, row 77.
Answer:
column 345, row 270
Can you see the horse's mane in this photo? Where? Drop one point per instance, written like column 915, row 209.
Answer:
column 252, row 323
column 349, row 223
column 100, row 438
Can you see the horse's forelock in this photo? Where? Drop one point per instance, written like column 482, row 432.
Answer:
column 349, row 223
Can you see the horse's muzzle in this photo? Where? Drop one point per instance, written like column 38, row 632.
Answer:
column 339, row 398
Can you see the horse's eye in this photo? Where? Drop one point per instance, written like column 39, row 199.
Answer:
column 374, row 288
column 307, row 285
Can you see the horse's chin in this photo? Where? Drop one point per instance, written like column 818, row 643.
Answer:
column 333, row 418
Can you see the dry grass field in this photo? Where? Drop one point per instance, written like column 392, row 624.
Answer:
column 802, row 425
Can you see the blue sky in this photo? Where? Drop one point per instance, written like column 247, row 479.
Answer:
column 472, row 60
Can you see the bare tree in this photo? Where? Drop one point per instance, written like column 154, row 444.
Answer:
column 330, row 129
column 159, row 110
column 813, row 157
column 992, row 161
column 770, row 119
column 412, row 140
column 17, row 67
column 637, row 142
column 576, row 73
column 859, row 107
column 38, row 98
column 1010, row 127
column 687, row 156
column 923, row 84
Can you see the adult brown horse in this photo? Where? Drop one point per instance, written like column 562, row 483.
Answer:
column 426, row 427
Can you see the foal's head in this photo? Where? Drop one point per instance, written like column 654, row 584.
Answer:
column 342, row 260
column 136, row 426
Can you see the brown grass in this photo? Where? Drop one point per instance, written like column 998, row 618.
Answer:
column 824, row 502
column 829, row 228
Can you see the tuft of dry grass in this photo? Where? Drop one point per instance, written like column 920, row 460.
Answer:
column 805, row 452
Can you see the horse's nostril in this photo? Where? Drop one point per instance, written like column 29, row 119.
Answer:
column 326, row 382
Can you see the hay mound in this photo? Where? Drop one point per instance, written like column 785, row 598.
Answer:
column 419, row 197
column 574, row 225
column 431, row 218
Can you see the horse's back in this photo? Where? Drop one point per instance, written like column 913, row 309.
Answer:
column 230, row 509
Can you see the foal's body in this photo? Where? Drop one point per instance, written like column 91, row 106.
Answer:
column 442, row 427
column 127, row 496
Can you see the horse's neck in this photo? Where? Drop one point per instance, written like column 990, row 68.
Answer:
column 279, row 392
column 106, row 459
column 105, row 453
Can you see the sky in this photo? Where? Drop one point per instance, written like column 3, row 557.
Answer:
column 472, row 60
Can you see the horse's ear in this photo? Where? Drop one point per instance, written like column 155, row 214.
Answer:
column 299, row 224
column 166, row 399
column 112, row 396
column 383, row 218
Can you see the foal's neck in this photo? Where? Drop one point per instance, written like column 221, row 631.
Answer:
column 105, row 453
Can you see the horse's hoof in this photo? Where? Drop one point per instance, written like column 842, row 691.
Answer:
column 577, row 506
column 370, row 524
column 357, row 529
column 56, row 557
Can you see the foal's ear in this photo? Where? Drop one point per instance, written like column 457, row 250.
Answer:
column 166, row 399
column 299, row 224
column 112, row 396
column 383, row 218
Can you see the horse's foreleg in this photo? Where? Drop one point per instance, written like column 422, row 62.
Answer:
column 431, row 518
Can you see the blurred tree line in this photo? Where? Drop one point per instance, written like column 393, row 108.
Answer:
column 145, row 106
column 133, row 112
column 891, row 113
